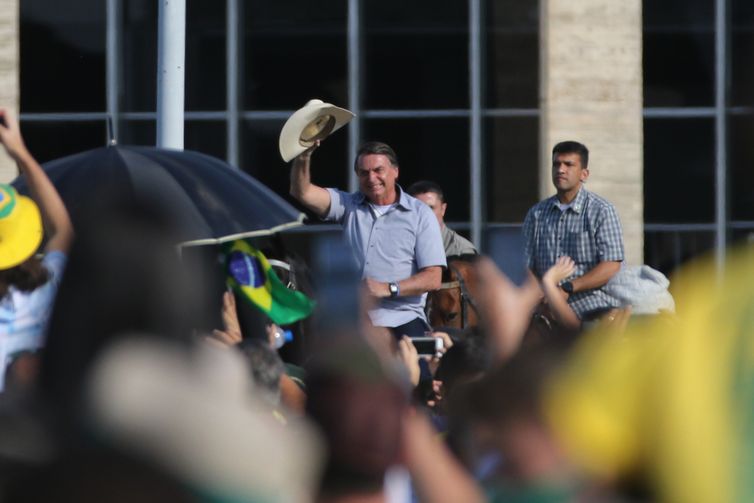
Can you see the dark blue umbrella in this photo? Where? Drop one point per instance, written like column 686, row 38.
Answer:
column 213, row 201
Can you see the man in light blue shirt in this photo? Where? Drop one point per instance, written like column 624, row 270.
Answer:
column 395, row 238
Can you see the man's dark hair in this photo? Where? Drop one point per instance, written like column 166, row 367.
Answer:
column 463, row 361
column 573, row 147
column 424, row 186
column 26, row 277
column 375, row 148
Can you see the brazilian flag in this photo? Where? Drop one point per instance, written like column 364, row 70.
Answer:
column 249, row 274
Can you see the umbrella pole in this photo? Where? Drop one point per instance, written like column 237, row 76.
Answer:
column 171, row 56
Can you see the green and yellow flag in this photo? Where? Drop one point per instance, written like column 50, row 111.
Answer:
column 671, row 400
column 249, row 273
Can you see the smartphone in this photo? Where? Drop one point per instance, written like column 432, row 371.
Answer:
column 337, row 281
column 428, row 345
column 505, row 246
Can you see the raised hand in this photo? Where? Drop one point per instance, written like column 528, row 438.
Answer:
column 230, row 335
column 560, row 270
column 410, row 358
column 555, row 296
column 10, row 134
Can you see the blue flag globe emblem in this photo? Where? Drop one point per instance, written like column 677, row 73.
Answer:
column 246, row 269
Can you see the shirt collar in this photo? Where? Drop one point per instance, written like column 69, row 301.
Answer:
column 577, row 205
column 402, row 198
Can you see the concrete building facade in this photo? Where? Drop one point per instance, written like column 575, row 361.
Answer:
column 591, row 91
column 9, row 71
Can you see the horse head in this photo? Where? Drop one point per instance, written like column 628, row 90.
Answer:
column 454, row 305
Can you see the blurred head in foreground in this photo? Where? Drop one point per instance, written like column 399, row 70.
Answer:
column 358, row 402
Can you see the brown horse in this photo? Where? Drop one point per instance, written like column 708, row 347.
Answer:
column 454, row 305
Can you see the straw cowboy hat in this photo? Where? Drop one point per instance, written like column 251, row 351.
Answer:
column 314, row 121
column 20, row 227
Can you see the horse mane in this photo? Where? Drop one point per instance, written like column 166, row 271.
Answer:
column 461, row 263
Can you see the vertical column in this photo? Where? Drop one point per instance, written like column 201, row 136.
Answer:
column 9, row 71
column 171, row 57
column 113, row 66
column 475, row 100
column 354, row 89
column 721, row 147
column 233, row 40
column 591, row 91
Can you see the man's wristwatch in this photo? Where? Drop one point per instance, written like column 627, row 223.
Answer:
column 394, row 290
column 567, row 287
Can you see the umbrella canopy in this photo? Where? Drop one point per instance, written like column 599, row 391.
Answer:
column 213, row 201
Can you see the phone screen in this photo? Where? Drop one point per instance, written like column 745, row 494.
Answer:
column 505, row 246
column 427, row 345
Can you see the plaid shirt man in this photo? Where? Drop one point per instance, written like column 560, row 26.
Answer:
column 588, row 231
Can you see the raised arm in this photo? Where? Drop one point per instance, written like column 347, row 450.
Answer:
column 314, row 197
column 425, row 280
column 436, row 474
column 506, row 307
column 556, row 297
column 55, row 216
column 596, row 277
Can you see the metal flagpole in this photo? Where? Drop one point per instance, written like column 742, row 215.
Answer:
column 171, row 56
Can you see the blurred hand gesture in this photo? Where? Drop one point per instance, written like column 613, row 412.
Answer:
column 410, row 358
column 231, row 333
column 505, row 307
column 560, row 270
column 10, row 133
column 434, row 360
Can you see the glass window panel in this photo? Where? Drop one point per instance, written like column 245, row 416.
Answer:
column 205, row 55
column 679, row 170
column 667, row 250
column 679, row 14
column 512, row 54
column 51, row 140
column 742, row 14
column 679, row 53
column 511, row 167
column 207, row 137
column 740, row 162
column 416, row 54
column 139, row 53
column 742, row 52
column 742, row 237
column 261, row 159
column 62, row 63
column 430, row 149
column 678, row 69
column 138, row 132
column 294, row 51
column 741, row 70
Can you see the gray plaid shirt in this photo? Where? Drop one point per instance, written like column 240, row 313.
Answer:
column 589, row 232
